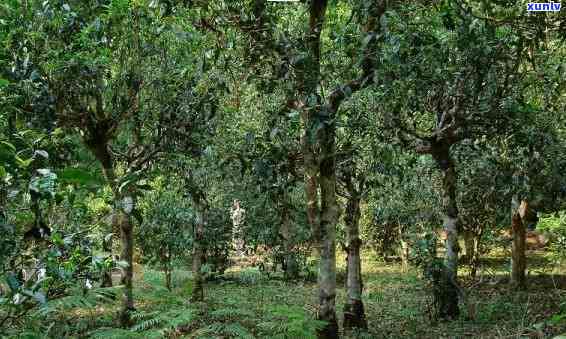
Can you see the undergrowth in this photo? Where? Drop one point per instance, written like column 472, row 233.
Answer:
column 248, row 304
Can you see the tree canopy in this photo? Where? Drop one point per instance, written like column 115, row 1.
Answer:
column 236, row 151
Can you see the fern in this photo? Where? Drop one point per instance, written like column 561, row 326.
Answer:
column 237, row 331
column 290, row 322
column 251, row 277
column 111, row 333
column 230, row 313
column 64, row 304
column 87, row 301
column 182, row 317
column 165, row 321
column 148, row 320
column 232, row 330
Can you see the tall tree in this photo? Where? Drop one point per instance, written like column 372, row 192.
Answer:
column 304, row 65
column 319, row 120
column 460, row 88
column 354, row 190
column 108, row 67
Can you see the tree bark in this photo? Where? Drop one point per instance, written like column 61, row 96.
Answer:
column 311, row 187
column 167, row 268
column 198, row 248
column 291, row 268
column 321, row 220
column 314, row 115
column 127, row 237
column 120, row 220
column 319, row 124
column 518, row 257
column 448, row 303
column 168, row 278
column 404, row 249
column 354, row 315
column 328, row 220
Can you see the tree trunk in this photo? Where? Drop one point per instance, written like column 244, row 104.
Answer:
column 100, row 151
column 320, row 120
column 469, row 245
column 290, row 260
column 518, row 257
column 328, row 221
column 475, row 259
column 167, row 268
column 404, row 254
column 313, row 115
column 198, row 250
column 107, row 274
column 168, row 277
column 404, row 249
column 448, row 300
column 127, row 237
column 311, row 186
column 3, row 204
column 308, row 81
column 354, row 315
column 327, row 266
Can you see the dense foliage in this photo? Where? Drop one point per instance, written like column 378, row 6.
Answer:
column 201, row 169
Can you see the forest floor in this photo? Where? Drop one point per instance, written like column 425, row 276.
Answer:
column 248, row 304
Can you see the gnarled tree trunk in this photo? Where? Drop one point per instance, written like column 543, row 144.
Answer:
column 518, row 256
column 123, row 207
column 448, row 300
column 127, row 238
column 354, row 315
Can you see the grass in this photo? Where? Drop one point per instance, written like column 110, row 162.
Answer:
column 249, row 305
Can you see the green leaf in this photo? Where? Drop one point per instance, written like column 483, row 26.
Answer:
column 57, row 239
column 77, row 176
column 8, row 146
column 44, row 183
column 23, row 163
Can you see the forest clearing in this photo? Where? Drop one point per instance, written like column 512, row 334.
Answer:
column 282, row 169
